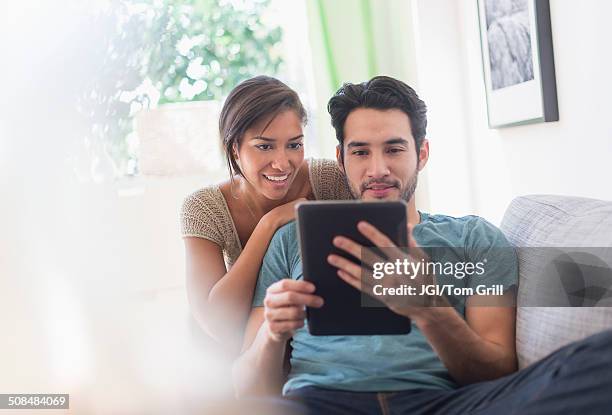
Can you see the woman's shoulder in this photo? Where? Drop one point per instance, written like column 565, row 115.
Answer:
column 327, row 180
column 204, row 200
column 204, row 214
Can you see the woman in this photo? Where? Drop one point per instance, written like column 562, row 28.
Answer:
column 227, row 227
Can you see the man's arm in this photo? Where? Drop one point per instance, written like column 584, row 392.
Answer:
column 259, row 370
column 473, row 350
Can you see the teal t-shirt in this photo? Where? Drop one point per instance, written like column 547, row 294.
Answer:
column 390, row 362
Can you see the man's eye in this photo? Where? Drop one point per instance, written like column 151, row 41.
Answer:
column 264, row 147
column 359, row 153
column 295, row 146
column 396, row 150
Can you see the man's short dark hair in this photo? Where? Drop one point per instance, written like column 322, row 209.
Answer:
column 382, row 93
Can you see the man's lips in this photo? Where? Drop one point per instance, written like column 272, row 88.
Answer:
column 379, row 186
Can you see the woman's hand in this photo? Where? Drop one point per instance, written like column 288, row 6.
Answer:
column 282, row 214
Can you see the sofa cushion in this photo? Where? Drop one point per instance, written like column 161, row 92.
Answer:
column 544, row 221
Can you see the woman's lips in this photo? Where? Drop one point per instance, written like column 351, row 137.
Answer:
column 277, row 183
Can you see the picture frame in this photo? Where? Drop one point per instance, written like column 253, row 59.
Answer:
column 518, row 62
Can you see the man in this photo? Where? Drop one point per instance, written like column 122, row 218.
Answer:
column 457, row 359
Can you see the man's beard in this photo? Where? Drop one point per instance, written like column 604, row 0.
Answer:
column 406, row 192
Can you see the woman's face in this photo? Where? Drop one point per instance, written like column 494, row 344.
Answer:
column 270, row 159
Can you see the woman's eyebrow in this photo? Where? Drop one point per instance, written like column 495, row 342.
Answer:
column 261, row 137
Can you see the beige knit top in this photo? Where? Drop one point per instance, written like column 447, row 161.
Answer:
column 205, row 213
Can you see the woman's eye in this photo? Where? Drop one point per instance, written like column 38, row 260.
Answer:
column 295, row 146
column 264, row 147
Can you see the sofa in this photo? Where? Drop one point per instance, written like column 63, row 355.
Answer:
column 545, row 222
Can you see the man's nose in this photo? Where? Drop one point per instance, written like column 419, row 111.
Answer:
column 281, row 161
column 378, row 166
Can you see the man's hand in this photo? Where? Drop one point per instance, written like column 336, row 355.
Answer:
column 361, row 277
column 284, row 307
column 259, row 369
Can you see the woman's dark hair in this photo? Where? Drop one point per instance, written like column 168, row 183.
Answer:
column 383, row 93
column 250, row 102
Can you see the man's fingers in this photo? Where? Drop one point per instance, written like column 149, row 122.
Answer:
column 373, row 234
column 353, row 274
column 285, row 313
column 345, row 265
column 285, row 326
column 292, row 298
column 350, row 279
column 365, row 255
column 288, row 284
column 380, row 240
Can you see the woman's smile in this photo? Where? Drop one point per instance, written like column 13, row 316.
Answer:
column 278, row 180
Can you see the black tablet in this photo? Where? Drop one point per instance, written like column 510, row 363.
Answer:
column 342, row 313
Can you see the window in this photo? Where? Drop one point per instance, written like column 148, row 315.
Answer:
column 168, row 65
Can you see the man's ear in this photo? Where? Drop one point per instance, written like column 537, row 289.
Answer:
column 423, row 154
column 339, row 158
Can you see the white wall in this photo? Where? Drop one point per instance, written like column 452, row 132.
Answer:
column 440, row 85
column 569, row 157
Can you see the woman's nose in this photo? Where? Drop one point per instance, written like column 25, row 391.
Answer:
column 281, row 161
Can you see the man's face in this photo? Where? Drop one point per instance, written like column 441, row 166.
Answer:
column 380, row 159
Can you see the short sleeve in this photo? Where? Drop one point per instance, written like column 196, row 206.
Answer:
column 277, row 263
column 486, row 244
column 199, row 218
column 328, row 181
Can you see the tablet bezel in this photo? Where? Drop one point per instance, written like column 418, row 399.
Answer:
column 333, row 318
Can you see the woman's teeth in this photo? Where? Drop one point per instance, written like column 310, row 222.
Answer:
column 276, row 178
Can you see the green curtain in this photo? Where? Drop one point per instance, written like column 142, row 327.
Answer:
column 345, row 40
column 352, row 41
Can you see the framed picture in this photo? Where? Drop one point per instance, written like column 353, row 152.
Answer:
column 518, row 62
